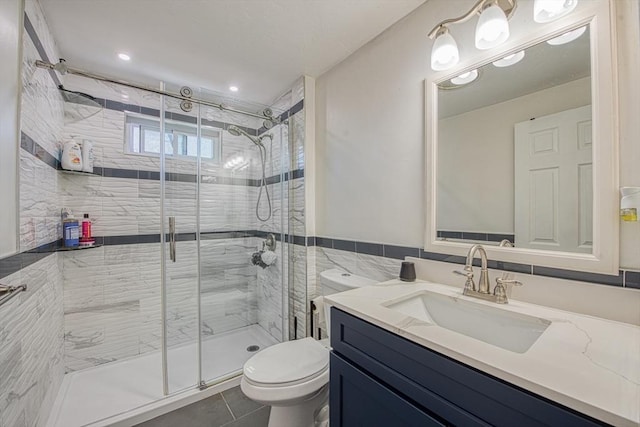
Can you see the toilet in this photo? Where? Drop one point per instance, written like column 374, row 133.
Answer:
column 293, row 377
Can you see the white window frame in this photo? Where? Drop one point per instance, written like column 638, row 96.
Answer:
column 174, row 128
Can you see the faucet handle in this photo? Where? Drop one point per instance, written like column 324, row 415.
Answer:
column 502, row 281
column 469, row 285
column 500, row 291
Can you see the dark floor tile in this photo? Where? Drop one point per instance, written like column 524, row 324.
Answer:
column 632, row 279
column 239, row 404
column 259, row 418
column 210, row 412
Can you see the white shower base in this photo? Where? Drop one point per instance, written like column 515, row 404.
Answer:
column 118, row 392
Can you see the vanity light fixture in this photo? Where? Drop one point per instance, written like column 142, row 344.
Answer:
column 492, row 30
column 444, row 53
column 567, row 37
column 465, row 78
column 508, row 60
column 550, row 10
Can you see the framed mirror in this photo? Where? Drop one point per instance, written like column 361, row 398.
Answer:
column 522, row 149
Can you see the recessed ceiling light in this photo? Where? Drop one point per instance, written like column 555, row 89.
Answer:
column 124, row 56
column 465, row 78
column 233, row 88
column 567, row 37
column 509, row 59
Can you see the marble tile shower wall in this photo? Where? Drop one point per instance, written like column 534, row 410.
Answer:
column 109, row 319
column 31, row 333
column 112, row 298
column 370, row 266
column 112, row 307
column 31, row 346
column 282, row 288
column 42, row 118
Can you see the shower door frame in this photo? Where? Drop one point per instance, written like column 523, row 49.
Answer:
column 202, row 383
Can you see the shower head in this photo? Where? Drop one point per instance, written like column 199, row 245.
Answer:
column 236, row 131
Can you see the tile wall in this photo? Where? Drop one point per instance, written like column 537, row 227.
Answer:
column 31, row 331
column 103, row 304
column 124, row 202
column 31, row 346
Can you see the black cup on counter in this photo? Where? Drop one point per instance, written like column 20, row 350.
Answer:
column 408, row 272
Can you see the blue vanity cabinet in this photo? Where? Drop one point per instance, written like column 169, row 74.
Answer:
column 379, row 379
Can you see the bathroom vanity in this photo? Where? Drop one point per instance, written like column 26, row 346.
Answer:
column 399, row 360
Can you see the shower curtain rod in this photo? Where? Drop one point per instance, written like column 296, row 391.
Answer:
column 62, row 68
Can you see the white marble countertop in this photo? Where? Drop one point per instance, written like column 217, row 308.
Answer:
column 586, row 363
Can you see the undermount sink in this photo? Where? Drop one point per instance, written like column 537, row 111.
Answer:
column 505, row 329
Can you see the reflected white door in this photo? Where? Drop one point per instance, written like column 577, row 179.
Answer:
column 554, row 182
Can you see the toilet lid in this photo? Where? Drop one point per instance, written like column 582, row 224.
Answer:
column 287, row 362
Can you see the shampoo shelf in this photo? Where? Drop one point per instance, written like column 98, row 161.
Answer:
column 79, row 173
column 76, row 248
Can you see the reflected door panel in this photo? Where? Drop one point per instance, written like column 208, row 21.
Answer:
column 553, row 182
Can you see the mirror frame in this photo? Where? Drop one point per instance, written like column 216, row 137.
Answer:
column 600, row 16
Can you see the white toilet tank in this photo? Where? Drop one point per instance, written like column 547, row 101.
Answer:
column 335, row 280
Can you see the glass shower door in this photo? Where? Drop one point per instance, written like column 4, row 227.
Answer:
column 236, row 318
column 180, row 186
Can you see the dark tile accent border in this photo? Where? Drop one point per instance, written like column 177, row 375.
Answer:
column 399, row 252
column 32, row 147
column 19, row 261
column 630, row 279
column 369, row 248
column 36, row 150
column 581, row 276
column 344, row 245
column 31, row 31
column 295, row 109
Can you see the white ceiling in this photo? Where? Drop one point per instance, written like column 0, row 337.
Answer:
column 261, row 46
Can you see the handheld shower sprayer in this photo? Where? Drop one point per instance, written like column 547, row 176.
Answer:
column 236, row 131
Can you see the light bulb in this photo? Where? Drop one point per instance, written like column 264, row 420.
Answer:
column 465, row 78
column 567, row 37
column 492, row 29
column 508, row 60
column 550, row 10
column 444, row 53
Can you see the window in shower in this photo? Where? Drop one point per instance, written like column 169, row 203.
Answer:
column 142, row 136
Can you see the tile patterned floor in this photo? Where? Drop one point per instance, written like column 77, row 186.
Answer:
column 230, row 408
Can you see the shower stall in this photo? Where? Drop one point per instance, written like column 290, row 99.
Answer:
column 191, row 201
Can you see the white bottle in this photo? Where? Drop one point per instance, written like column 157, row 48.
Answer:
column 87, row 156
column 71, row 156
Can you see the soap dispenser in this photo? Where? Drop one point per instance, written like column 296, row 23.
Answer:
column 629, row 203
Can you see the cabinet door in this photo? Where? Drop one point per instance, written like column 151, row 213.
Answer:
column 359, row 400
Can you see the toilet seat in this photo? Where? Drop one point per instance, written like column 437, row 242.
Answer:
column 287, row 364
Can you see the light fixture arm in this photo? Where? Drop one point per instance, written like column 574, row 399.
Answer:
column 508, row 6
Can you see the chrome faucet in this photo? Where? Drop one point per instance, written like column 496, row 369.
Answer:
column 483, row 291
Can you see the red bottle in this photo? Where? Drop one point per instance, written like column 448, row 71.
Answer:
column 86, row 239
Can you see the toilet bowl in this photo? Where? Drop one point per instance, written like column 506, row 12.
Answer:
column 293, row 377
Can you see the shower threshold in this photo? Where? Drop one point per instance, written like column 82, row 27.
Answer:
column 127, row 392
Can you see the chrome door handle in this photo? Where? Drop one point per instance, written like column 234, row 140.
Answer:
column 172, row 238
